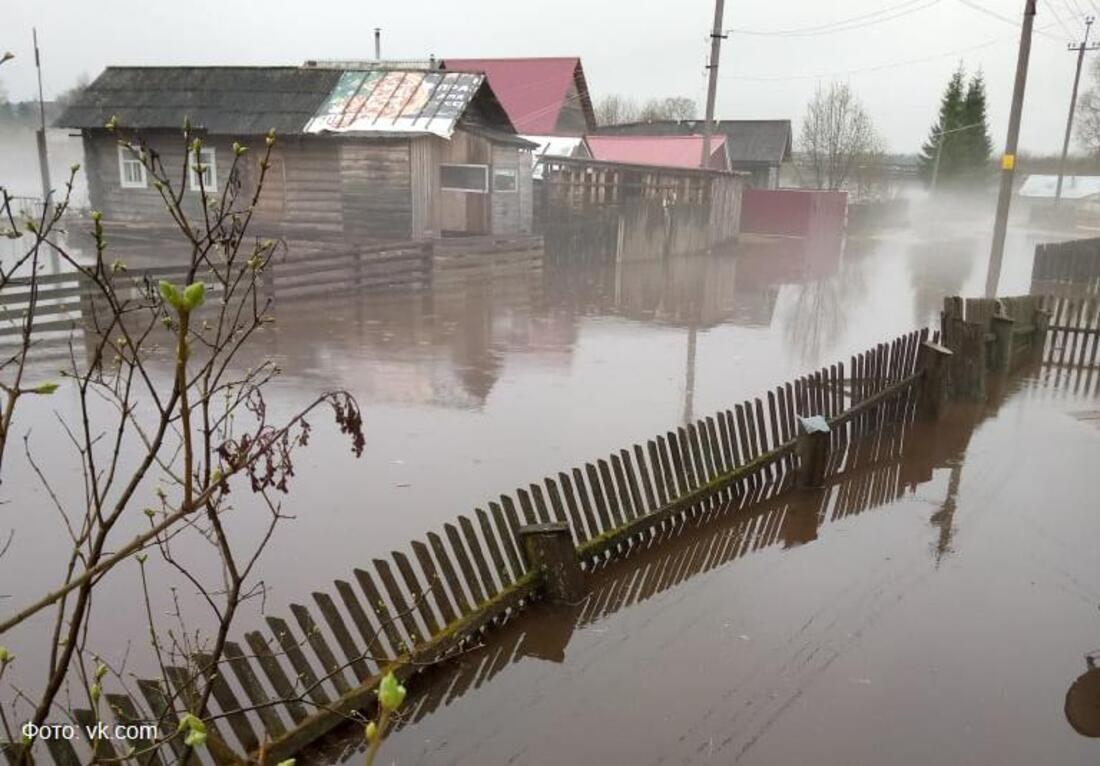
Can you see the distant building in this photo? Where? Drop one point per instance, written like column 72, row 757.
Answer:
column 658, row 151
column 542, row 96
column 373, row 154
column 758, row 147
column 1079, row 188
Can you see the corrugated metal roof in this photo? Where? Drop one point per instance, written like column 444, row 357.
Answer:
column 747, row 141
column 227, row 100
column 396, row 101
column 532, row 90
column 1073, row 187
column 661, row 151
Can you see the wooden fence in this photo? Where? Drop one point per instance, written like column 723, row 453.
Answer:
column 1067, row 268
column 298, row 680
column 65, row 300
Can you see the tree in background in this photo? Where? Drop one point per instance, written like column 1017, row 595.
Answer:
column 614, row 109
column 1088, row 115
column 963, row 127
column 837, row 136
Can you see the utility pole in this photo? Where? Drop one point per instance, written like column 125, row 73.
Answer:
column 1008, row 159
column 378, row 43
column 716, row 38
column 43, row 158
column 1080, row 48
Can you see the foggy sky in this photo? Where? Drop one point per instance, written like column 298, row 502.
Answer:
column 640, row 48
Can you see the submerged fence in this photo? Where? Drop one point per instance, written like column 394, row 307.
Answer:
column 1067, row 268
column 289, row 685
column 282, row 688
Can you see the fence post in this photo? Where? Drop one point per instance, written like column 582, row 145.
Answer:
column 549, row 546
column 1040, row 325
column 1002, row 327
column 932, row 361
column 812, row 448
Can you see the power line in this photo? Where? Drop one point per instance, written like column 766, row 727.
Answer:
column 843, row 25
column 874, row 68
column 1058, row 18
column 993, row 14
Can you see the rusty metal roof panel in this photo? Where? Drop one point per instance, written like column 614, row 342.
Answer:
column 396, row 101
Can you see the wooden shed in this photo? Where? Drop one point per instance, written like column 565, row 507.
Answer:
column 366, row 154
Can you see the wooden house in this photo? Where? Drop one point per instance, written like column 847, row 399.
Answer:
column 363, row 154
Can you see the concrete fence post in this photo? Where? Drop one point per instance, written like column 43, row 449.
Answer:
column 933, row 361
column 812, row 448
column 550, row 547
column 1003, row 328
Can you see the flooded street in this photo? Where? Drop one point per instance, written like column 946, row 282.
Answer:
column 846, row 627
column 944, row 620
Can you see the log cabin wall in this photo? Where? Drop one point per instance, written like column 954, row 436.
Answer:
column 463, row 212
column 376, row 188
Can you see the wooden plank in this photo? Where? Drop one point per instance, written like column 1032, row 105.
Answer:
column 402, row 611
column 482, row 564
column 126, row 713
column 660, row 491
column 289, row 644
column 494, row 548
column 679, row 468
column 418, row 593
column 61, row 753
column 637, row 504
column 574, row 494
column 540, row 505
column 526, row 506
column 646, row 479
column 675, row 483
column 370, row 635
column 253, row 689
column 231, row 709
column 514, row 524
column 447, row 611
column 101, row 746
column 464, row 564
column 687, row 456
column 449, row 575
column 614, row 502
column 269, row 664
column 340, row 632
column 377, row 604
column 606, row 524
column 507, row 540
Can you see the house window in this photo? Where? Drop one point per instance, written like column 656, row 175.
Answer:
column 504, row 179
column 467, row 178
column 208, row 162
column 131, row 173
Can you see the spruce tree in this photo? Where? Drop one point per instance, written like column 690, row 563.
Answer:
column 976, row 143
column 950, row 117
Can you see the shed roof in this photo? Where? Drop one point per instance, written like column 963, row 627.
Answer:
column 229, row 100
column 661, row 151
column 532, row 90
column 747, row 141
column 253, row 100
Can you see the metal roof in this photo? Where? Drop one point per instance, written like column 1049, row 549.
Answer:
column 532, row 90
column 396, row 101
column 227, row 100
column 661, row 151
column 747, row 141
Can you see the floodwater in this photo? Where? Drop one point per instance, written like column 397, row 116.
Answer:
column 782, row 653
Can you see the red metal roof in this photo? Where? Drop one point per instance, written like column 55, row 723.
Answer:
column 663, row 151
column 531, row 90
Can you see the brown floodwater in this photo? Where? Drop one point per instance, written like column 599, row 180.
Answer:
column 474, row 391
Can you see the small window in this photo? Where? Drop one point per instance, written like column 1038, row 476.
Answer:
column 467, row 178
column 504, row 179
column 131, row 173
column 208, row 164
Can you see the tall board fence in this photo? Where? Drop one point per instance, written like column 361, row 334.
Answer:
column 1067, row 268
column 290, row 684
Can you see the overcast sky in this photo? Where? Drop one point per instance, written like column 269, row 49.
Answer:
column 897, row 59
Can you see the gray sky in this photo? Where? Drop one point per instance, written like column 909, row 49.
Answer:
column 898, row 65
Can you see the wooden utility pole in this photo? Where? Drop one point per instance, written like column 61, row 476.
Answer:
column 1008, row 159
column 1080, row 48
column 716, row 38
column 43, row 158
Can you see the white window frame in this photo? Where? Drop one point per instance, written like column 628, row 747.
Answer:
column 484, row 169
column 125, row 156
column 514, row 173
column 210, row 164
